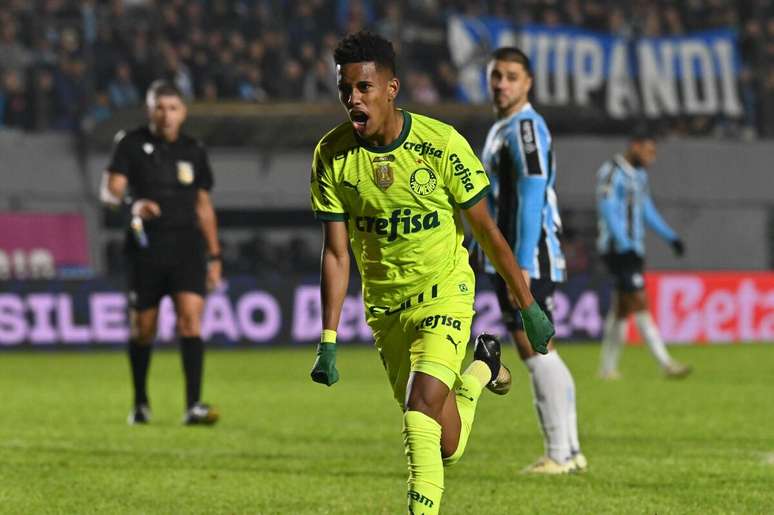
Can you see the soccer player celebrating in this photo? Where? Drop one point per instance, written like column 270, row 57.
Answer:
column 624, row 208
column 519, row 158
column 169, row 177
column 394, row 185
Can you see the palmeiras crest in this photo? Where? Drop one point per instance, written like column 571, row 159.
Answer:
column 384, row 175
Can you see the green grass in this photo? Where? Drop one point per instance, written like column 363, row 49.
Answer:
column 288, row 446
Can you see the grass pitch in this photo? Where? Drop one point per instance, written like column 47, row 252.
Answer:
column 288, row 446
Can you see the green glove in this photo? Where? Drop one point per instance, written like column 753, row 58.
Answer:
column 324, row 369
column 538, row 327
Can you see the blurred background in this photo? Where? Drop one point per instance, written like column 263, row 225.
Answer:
column 260, row 79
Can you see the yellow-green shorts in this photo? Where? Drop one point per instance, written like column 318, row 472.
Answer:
column 431, row 338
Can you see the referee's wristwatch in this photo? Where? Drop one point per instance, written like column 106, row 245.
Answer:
column 214, row 257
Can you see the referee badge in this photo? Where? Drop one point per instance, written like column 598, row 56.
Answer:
column 185, row 172
column 383, row 174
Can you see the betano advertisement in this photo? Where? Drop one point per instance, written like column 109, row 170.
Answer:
column 689, row 308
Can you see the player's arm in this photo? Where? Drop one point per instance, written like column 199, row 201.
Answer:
column 655, row 221
column 536, row 324
column 492, row 242
column 334, row 264
column 112, row 186
column 334, row 281
column 208, row 224
column 611, row 201
column 334, row 273
column 112, row 189
column 530, row 147
column 208, row 221
column 114, row 182
column 462, row 162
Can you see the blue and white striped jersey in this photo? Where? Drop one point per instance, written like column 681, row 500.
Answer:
column 518, row 156
column 624, row 207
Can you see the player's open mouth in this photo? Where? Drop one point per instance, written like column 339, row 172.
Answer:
column 359, row 120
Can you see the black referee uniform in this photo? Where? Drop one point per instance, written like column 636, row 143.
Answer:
column 166, row 254
column 173, row 259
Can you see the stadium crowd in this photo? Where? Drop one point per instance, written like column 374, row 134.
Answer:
column 65, row 61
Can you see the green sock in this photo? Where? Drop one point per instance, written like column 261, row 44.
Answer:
column 467, row 394
column 422, row 438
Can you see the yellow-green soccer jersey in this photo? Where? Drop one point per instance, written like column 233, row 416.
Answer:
column 401, row 204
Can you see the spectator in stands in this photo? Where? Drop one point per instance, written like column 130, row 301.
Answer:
column 448, row 84
column 104, row 57
column 177, row 72
column 421, row 88
column 13, row 55
column 41, row 99
column 15, row 106
column 354, row 15
column 318, row 82
column 302, row 26
column 142, row 60
column 272, row 63
column 292, row 80
column 122, row 92
column 100, row 110
column 210, row 91
column 71, row 96
column 250, row 88
column 196, row 42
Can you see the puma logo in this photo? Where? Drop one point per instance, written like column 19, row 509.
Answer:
column 448, row 337
column 350, row 185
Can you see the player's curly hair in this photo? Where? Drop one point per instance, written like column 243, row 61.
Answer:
column 365, row 46
column 514, row 55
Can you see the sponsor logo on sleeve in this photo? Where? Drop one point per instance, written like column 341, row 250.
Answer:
column 529, row 145
column 318, row 172
column 461, row 171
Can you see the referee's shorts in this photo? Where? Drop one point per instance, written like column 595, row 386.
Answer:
column 542, row 290
column 166, row 268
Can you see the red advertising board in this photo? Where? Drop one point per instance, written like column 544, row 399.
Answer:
column 707, row 307
column 36, row 245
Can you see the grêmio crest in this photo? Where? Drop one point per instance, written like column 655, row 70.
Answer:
column 384, row 175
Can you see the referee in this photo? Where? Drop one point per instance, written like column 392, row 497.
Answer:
column 172, row 241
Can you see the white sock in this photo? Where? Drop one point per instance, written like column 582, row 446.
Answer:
column 612, row 341
column 572, row 414
column 550, row 391
column 652, row 337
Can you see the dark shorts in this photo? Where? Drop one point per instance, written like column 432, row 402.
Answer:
column 166, row 269
column 627, row 271
column 542, row 290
